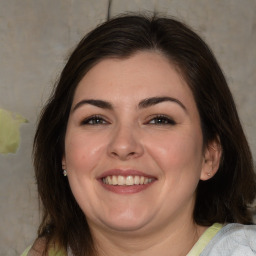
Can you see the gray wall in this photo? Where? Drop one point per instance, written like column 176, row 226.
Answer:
column 35, row 38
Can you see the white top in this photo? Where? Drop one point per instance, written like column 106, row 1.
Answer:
column 233, row 240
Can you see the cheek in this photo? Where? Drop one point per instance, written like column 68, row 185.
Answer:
column 82, row 152
column 179, row 152
column 82, row 155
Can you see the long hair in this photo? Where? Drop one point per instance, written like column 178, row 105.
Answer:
column 224, row 198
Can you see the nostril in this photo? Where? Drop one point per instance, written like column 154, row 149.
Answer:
column 124, row 147
column 114, row 153
column 123, row 155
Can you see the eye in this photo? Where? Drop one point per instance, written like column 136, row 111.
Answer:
column 161, row 120
column 94, row 120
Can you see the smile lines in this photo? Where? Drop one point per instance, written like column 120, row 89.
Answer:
column 126, row 180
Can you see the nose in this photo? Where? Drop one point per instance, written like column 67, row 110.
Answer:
column 125, row 144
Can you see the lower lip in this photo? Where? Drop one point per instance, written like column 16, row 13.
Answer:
column 126, row 189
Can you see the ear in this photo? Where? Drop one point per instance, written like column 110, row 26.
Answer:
column 211, row 160
column 63, row 162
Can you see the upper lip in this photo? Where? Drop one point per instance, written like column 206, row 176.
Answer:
column 124, row 172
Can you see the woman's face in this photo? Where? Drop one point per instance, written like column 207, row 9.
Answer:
column 134, row 146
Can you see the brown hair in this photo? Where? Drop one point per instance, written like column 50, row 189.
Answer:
column 224, row 198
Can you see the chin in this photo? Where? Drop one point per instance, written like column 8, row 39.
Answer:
column 124, row 226
column 126, row 222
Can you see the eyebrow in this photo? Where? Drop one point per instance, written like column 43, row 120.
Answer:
column 142, row 104
column 97, row 103
column 156, row 100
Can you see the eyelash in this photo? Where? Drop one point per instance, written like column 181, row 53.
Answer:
column 158, row 120
column 94, row 120
column 164, row 120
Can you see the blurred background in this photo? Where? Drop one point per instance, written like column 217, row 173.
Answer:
column 36, row 37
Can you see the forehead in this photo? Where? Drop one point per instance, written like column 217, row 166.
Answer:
column 144, row 74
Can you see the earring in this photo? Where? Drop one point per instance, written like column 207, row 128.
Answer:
column 65, row 173
column 209, row 174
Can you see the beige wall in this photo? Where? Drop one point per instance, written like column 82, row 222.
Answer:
column 35, row 38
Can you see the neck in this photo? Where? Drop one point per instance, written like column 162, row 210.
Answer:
column 174, row 239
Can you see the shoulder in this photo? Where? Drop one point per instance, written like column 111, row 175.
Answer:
column 25, row 253
column 38, row 249
column 233, row 239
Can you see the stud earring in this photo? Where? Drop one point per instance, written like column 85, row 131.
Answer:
column 209, row 174
column 65, row 173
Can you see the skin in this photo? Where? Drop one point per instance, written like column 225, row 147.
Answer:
column 129, row 135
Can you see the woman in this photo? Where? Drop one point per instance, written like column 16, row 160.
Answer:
column 140, row 150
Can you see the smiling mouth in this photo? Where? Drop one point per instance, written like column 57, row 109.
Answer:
column 129, row 180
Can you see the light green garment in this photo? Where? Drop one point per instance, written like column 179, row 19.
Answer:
column 51, row 253
column 195, row 251
column 205, row 239
column 25, row 253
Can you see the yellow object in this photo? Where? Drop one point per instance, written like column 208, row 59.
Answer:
column 51, row 253
column 9, row 131
column 25, row 253
column 205, row 239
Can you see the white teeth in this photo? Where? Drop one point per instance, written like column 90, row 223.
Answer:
column 126, row 181
column 114, row 180
column 137, row 180
column 129, row 181
column 120, row 180
column 109, row 180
